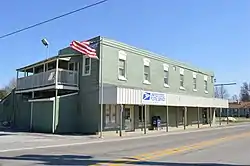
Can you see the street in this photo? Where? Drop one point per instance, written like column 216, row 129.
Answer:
column 227, row 146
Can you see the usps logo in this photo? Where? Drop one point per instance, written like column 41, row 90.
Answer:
column 153, row 98
column 146, row 96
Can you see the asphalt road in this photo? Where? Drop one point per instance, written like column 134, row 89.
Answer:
column 218, row 147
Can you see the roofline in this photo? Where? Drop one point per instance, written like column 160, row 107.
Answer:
column 46, row 60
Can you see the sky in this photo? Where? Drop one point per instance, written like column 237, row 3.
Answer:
column 210, row 34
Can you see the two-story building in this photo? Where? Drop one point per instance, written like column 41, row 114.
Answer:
column 122, row 90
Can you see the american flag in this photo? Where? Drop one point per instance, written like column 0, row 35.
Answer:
column 84, row 47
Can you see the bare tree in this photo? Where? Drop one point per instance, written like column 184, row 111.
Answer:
column 11, row 85
column 235, row 98
column 221, row 92
column 244, row 92
column 3, row 93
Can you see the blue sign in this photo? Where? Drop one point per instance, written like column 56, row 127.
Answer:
column 146, row 96
column 154, row 98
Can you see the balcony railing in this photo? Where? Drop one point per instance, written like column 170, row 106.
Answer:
column 65, row 77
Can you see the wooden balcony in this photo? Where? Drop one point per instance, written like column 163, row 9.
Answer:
column 51, row 75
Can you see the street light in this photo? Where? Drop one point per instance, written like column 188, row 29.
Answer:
column 46, row 44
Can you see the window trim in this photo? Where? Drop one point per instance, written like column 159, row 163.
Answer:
column 122, row 56
column 195, row 76
column 182, row 74
column 165, row 69
column 205, row 87
column 146, row 62
column 84, row 67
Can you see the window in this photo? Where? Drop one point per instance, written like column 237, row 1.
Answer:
column 205, row 84
column 87, row 66
column 212, row 79
column 194, row 84
column 110, row 115
column 146, row 71
column 182, row 79
column 71, row 66
column 122, row 65
column 121, row 68
column 194, row 81
column 166, row 75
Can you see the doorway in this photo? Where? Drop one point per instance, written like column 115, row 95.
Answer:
column 129, row 118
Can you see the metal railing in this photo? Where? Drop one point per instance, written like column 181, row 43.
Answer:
column 65, row 77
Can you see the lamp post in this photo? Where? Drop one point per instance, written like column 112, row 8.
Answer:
column 46, row 44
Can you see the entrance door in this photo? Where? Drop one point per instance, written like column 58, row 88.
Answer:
column 128, row 116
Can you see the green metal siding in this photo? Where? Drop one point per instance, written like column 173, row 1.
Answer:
column 67, row 116
column 6, row 108
column 42, row 116
column 21, row 113
column 17, row 110
column 134, row 71
column 89, row 97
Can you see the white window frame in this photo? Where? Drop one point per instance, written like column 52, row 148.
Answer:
column 182, row 74
column 166, row 69
column 84, row 67
column 122, row 56
column 195, row 78
column 205, row 82
column 146, row 62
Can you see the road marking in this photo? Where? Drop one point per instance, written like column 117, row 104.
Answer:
column 121, row 139
column 172, row 151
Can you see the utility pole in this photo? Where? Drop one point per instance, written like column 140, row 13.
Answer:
column 221, row 92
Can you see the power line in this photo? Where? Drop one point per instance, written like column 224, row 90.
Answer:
column 52, row 19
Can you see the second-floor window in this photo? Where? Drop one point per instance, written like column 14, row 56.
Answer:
column 166, row 75
column 194, row 84
column 87, row 66
column 182, row 78
column 121, row 68
column 146, row 71
column 205, row 84
column 194, row 81
column 122, row 65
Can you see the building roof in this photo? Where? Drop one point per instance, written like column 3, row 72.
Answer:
column 239, row 105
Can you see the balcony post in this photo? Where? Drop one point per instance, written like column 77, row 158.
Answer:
column 32, row 78
column 56, row 79
column 17, row 75
column 56, row 97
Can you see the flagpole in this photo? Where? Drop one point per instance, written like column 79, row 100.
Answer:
column 101, row 120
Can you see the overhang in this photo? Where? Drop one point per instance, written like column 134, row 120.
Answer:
column 129, row 96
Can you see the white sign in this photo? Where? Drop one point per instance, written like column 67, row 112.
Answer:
column 153, row 98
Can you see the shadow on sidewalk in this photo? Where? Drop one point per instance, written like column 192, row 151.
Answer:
column 76, row 160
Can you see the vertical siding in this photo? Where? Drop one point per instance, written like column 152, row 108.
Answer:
column 67, row 115
column 42, row 116
column 128, row 96
column 21, row 113
column 89, row 116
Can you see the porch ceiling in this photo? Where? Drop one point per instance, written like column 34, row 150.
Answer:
column 29, row 68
